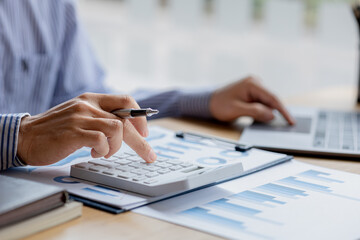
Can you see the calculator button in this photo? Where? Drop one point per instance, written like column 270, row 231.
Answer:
column 152, row 174
column 186, row 164
column 163, row 171
column 123, row 161
column 144, row 171
column 97, row 168
column 110, row 172
column 166, row 165
column 161, row 159
column 121, row 156
column 163, row 165
column 83, row 165
column 152, row 168
column 192, row 167
column 174, row 162
column 150, row 181
column 138, row 171
column 138, row 178
column 124, row 175
column 124, row 168
column 101, row 163
column 135, row 165
column 110, row 159
column 134, row 158
column 131, row 153
column 145, row 164
column 174, row 168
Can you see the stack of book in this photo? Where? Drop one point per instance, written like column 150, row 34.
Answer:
column 28, row 207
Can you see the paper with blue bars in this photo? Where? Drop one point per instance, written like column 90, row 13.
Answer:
column 293, row 200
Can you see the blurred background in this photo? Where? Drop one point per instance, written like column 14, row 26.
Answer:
column 294, row 46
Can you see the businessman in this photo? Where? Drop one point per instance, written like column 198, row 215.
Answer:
column 53, row 100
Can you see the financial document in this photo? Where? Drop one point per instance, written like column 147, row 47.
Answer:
column 165, row 144
column 293, row 200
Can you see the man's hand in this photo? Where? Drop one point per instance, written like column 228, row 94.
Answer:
column 83, row 121
column 246, row 98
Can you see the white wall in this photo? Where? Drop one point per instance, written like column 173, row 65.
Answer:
column 143, row 44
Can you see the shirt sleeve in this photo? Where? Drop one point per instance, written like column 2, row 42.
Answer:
column 176, row 103
column 9, row 132
column 79, row 70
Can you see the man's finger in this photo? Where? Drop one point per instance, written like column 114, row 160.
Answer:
column 257, row 111
column 138, row 143
column 262, row 95
column 112, row 102
column 95, row 140
column 115, row 141
column 85, row 107
column 112, row 128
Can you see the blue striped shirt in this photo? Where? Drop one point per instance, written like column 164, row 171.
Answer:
column 46, row 59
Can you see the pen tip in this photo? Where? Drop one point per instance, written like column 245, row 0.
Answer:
column 150, row 112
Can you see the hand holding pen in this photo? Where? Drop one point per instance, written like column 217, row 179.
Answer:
column 84, row 121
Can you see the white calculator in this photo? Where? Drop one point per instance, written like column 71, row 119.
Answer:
column 126, row 170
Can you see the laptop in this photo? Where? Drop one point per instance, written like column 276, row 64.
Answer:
column 317, row 132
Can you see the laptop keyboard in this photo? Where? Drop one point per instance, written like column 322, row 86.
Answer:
column 337, row 130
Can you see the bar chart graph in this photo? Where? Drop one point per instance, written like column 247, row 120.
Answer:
column 204, row 215
column 312, row 174
column 294, row 181
column 257, row 198
column 226, row 205
column 281, row 190
column 239, row 213
column 306, row 185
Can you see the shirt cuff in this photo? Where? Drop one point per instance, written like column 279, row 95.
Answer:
column 195, row 104
column 10, row 125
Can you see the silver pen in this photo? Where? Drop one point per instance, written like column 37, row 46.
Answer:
column 131, row 113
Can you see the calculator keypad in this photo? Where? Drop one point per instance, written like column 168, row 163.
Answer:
column 131, row 167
